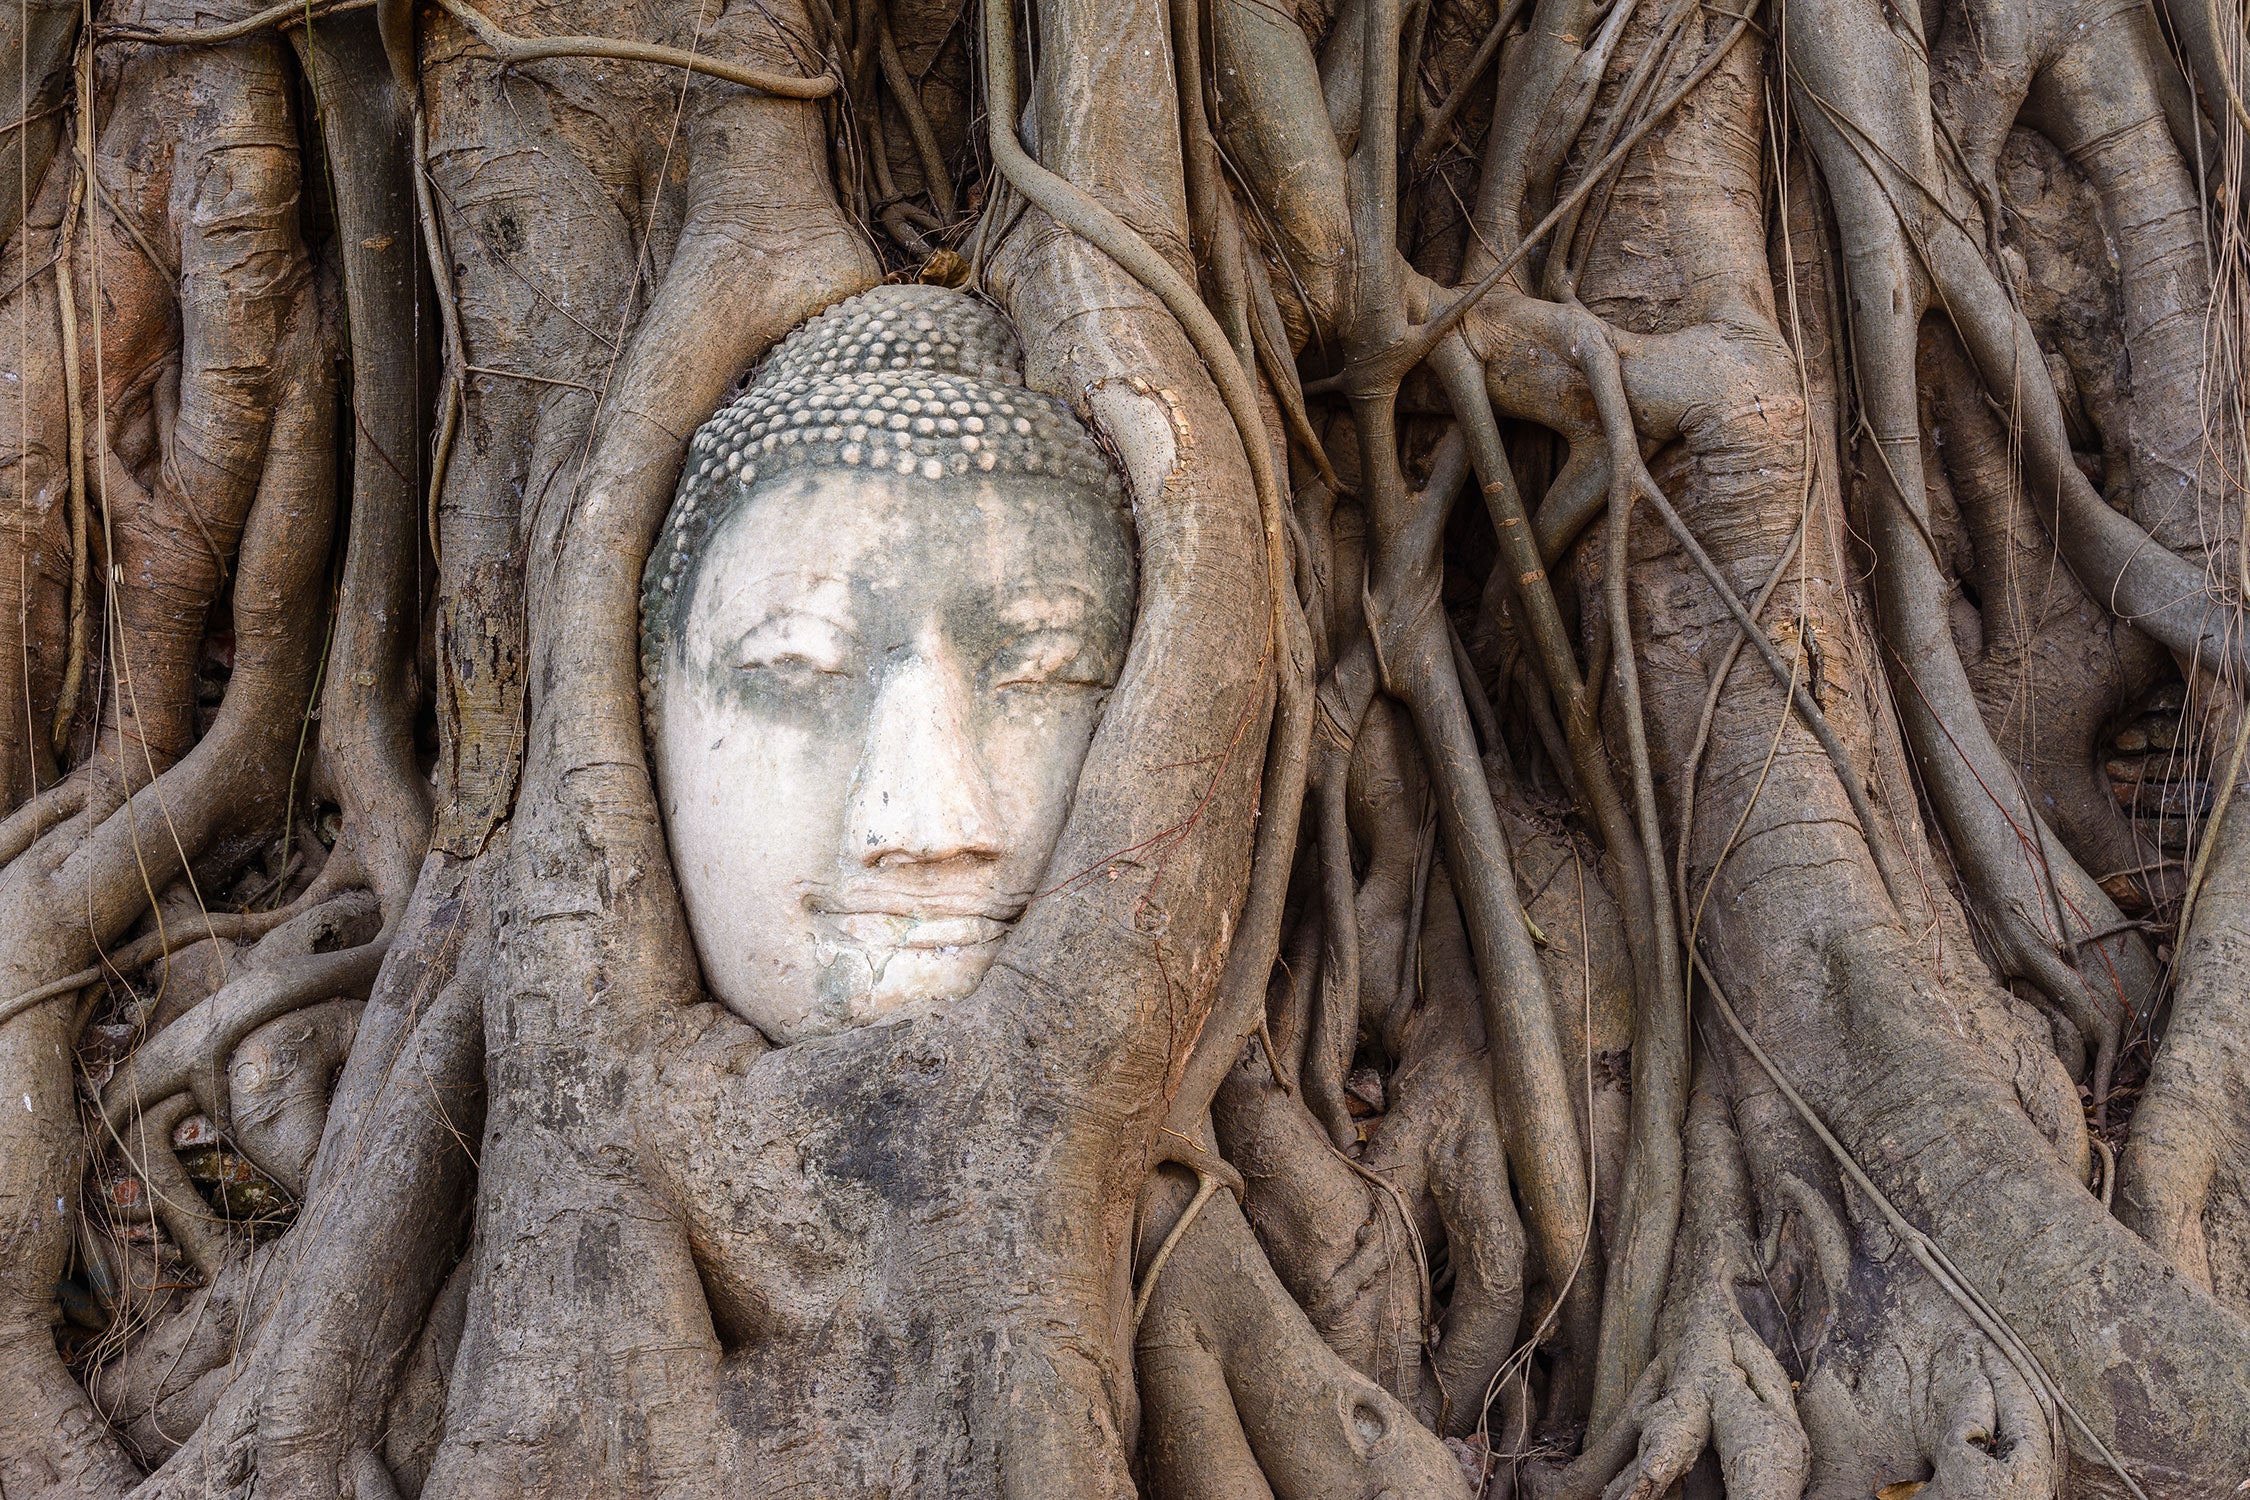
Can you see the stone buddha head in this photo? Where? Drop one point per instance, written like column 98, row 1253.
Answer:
column 892, row 594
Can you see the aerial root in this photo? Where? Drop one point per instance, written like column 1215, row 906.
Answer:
column 147, row 1147
column 1222, row 1332
column 41, row 812
column 191, row 1054
column 1713, row 1382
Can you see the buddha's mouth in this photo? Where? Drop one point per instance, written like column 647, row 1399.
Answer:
column 907, row 931
column 880, row 948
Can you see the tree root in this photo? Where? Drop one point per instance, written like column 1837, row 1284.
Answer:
column 158, row 946
column 514, row 50
column 1944, row 1408
column 291, row 14
column 167, row 1380
column 2184, row 1177
column 2042, row 906
column 695, row 1239
column 146, row 1140
column 1242, row 1395
column 1933, row 1258
column 383, row 1207
column 1085, row 216
column 2052, row 668
column 277, row 1088
column 192, row 1053
column 41, row 812
column 367, row 761
column 256, row 461
column 1713, row 1382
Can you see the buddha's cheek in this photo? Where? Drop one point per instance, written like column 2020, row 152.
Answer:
column 1034, row 750
column 750, row 806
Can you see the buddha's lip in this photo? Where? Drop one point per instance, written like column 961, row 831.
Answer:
column 917, row 906
column 916, row 930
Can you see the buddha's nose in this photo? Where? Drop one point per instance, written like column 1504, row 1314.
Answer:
column 922, row 795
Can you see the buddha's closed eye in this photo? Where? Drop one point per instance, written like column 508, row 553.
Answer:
column 1048, row 659
column 796, row 643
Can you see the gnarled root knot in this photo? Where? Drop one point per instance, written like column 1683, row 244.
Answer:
column 1243, row 1398
column 1713, row 1382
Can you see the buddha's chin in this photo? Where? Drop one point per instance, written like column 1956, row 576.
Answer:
column 864, row 984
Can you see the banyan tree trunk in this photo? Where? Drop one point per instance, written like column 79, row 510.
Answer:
column 1660, row 900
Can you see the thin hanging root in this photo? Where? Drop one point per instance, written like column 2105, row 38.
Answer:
column 1480, row 707
column 1073, row 209
column 1655, row 1163
column 1270, row 338
column 2218, row 810
column 66, row 304
column 287, row 14
column 1566, row 261
column 441, row 455
column 148, row 949
column 1433, row 134
column 935, row 177
column 1213, row 224
column 511, row 50
column 1927, row 1252
column 1567, row 108
column 2219, row 62
column 1333, row 1027
column 449, row 317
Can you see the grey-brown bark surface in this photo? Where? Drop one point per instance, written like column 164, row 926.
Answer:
column 1722, row 962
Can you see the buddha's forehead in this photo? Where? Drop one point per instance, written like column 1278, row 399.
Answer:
column 1027, row 551
column 890, row 447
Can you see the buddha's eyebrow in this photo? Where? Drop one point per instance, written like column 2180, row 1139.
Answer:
column 1066, row 604
column 776, row 595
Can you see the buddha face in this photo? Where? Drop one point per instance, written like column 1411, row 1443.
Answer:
column 871, row 728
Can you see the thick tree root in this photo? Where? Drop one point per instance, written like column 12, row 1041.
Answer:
column 162, row 1387
column 1243, row 1399
column 1713, row 1384
column 385, row 1197
column 2184, row 1176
